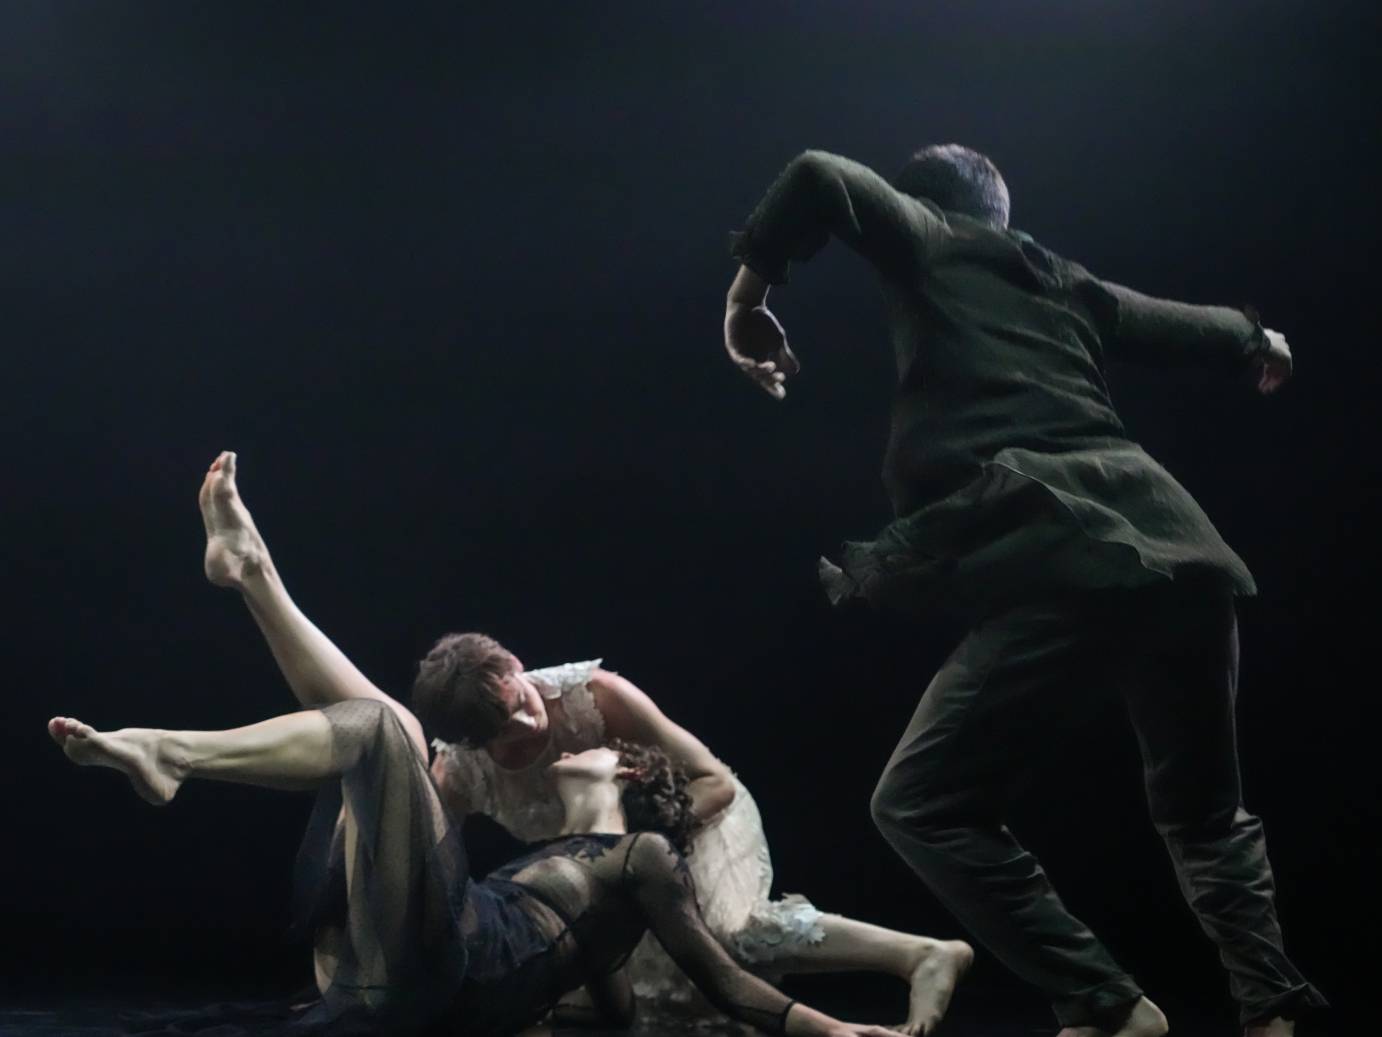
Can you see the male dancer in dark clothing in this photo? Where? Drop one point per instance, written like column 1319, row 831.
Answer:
column 1078, row 561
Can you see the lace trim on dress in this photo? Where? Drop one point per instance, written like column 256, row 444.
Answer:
column 777, row 928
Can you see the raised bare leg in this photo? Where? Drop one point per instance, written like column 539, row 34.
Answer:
column 932, row 968
column 292, row 752
column 389, row 923
column 236, row 556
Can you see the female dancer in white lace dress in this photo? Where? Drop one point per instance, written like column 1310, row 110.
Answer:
column 507, row 724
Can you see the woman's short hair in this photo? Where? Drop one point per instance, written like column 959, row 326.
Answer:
column 456, row 693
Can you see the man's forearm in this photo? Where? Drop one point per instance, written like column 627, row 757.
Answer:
column 748, row 290
column 1163, row 331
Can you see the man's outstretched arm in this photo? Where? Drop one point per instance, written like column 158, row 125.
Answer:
column 1161, row 331
column 817, row 197
column 820, row 196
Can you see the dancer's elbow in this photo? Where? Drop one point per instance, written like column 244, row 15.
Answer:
column 712, row 795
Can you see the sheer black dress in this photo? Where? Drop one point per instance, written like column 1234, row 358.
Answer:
column 410, row 944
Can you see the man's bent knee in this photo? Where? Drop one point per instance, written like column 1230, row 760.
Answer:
column 1213, row 826
column 888, row 807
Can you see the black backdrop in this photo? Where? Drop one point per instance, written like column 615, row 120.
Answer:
column 450, row 281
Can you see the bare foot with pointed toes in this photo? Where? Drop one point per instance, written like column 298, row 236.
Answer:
column 235, row 551
column 136, row 752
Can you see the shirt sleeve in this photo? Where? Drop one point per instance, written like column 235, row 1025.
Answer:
column 820, row 195
column 660, row 881
column 1147, row 330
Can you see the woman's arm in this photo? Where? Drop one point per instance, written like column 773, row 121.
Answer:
column 631, row 715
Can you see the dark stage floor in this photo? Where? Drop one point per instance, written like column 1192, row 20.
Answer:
column 99, row 1018
column 96, row 1020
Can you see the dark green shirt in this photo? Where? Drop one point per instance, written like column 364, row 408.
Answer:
column 1009, row 470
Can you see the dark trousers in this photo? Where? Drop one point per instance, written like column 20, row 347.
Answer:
column 1007, row 691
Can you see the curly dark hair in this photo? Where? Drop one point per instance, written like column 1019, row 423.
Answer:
column 656, row 800
column 456, row 692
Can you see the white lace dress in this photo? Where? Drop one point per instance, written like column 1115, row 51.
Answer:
column 729, row 858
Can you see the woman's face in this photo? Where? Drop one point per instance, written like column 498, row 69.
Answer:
column 527, row 710
column 596, row 765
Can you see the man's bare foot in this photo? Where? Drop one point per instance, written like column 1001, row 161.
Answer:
column 1278, row 1027
column 940, row 965
column 234, row 548
column 134, row 751
column 1146, row 1020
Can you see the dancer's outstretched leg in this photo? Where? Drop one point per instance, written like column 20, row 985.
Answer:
column 393, row 822
column 287, row 752
column 236, row 556
column 932, row 968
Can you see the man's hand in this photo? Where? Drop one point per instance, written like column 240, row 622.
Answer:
column 757, row 345
column 1274, row 365
column 754, row 340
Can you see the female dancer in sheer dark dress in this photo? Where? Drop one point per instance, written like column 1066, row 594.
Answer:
column 405, row 940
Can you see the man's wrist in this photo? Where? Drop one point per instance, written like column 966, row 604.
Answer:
column 748, row 290
column 1258, row 344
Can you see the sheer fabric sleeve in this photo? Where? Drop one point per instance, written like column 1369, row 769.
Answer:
column 1161, row 332
column 820, row 195
column 658, row 878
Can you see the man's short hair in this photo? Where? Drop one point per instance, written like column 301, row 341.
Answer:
column 958, row 179
column 456, row 694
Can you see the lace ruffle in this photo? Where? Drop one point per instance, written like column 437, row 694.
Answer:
column 557, row 681
column 778, row 928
